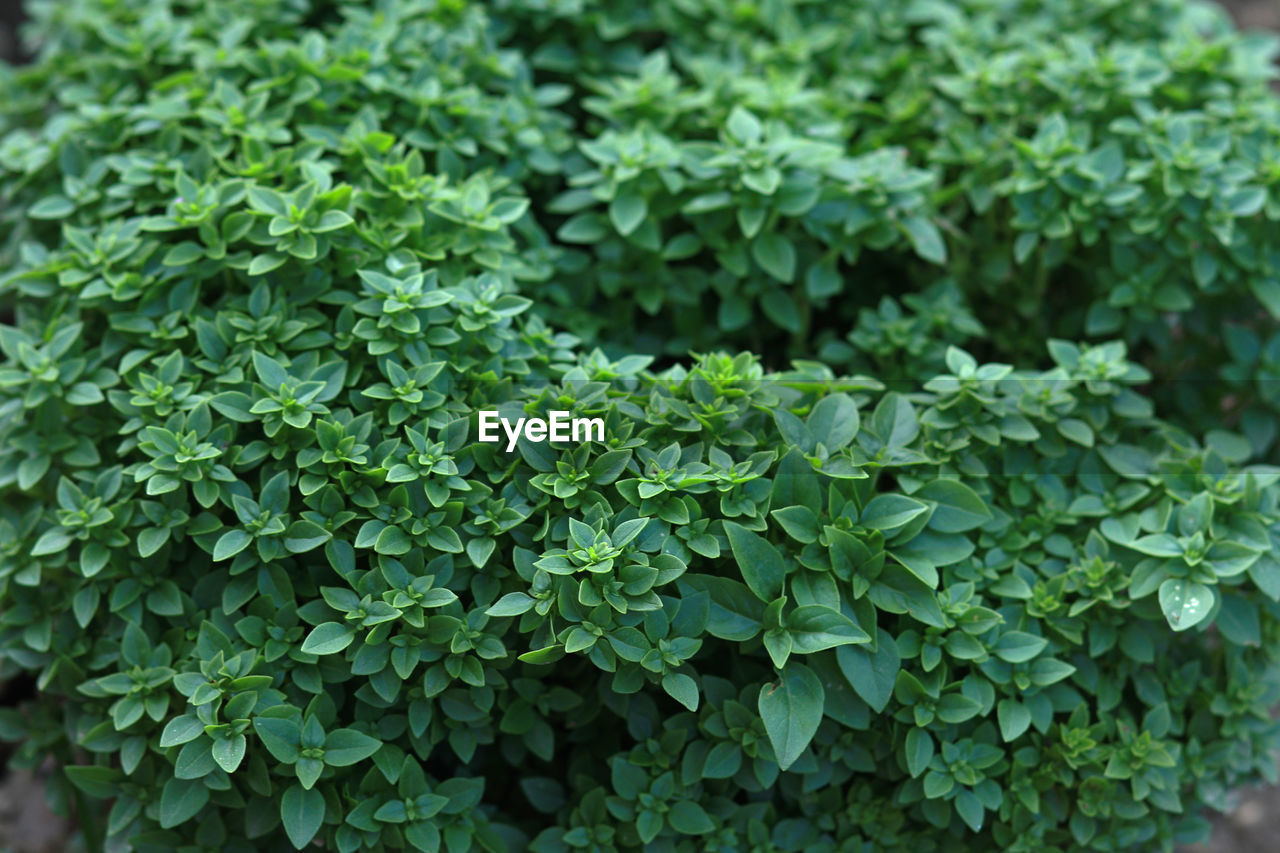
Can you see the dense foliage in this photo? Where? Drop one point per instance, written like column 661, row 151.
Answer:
column 869, row 588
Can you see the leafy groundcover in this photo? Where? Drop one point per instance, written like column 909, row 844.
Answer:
column 936, row 349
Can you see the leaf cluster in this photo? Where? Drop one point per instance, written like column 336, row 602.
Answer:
column 970, row 580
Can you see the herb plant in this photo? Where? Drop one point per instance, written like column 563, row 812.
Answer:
column 914, row 525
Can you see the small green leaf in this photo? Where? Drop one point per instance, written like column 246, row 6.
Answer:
column 937, row 784
column 51, row 207
column 776, row 255
column 744, row 126
column 1239, row 622
column 263, row 264
column 919, row 751
column 891, row 512
column 1157, row 545
column 872, row 675
column 834, row 421
column 682, row 688
column 1076, row 430
column 511, row 604
column 231, row 543
column 343, row 747
column 181, row 800
column 814, row 628
column 229, row 752
column 93, row 780
column 956, row 708
column 1018, row 646
column 152, row 539
column 1185, row 604
column 688, row 818
column 392, row 541
column 792, row 710
column 280, row 736
column 1014, row 718
column 926, row 239
column 328, row 638
column 181, row 730
column 759, row 561
column 302, row 813
column 627, row 212
column 959, row 508
column 1267, row 290
column 735, row 612
column 969, row 807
